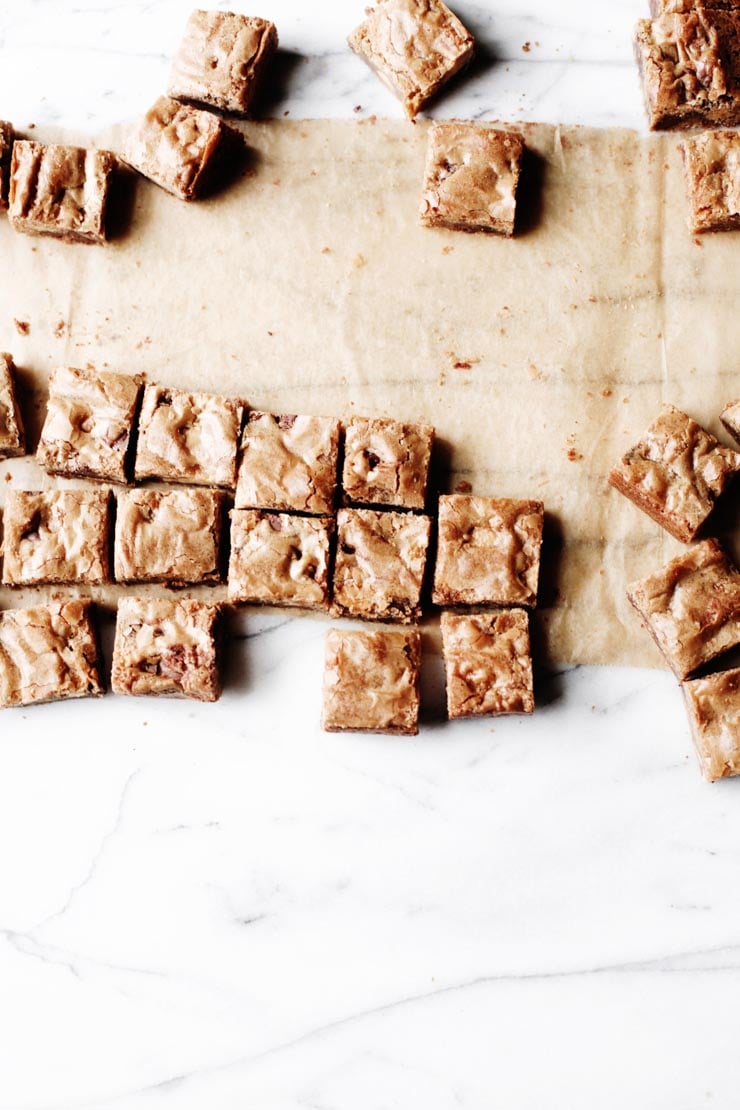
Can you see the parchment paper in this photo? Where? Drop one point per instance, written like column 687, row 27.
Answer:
column 309, row 286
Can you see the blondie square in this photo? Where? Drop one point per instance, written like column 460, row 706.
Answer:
column 221, row 60
column 288, row 463
column 691, row 607
column 713, row 707
column 730, row 417
column 188, row 437
column 6, row 150
column 171, row 536
column 60, row 190
column 487, row 663
column 471, row 178
column 712, row 168
column 386, row 463
column 371, row 682
column 379, row 566
column 176, row 147
column 89, row 422
column 55, row 537
column 414, row 46
column 48, row 653
column 279, row 559
column 488, row 551
column 166, row 647
column 675, row 473
column 12, row 438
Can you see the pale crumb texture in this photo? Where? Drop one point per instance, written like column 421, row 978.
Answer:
column 60, row 191
column 371, row 682
column 279, row 559
column 174, row 145
column 414, row 46
column 487, row 663
column 166, row 647
column 691, row 607
column 188, row 437
column 712, row 169
column 488, row 551
column 171, row 536
column 12, row 437
column 221, row 60
column 386, row 462
column 89, row 422
column 54, row 537
column 471, row 178
column 713, row 707
column 6, row 150
column 48, row 653
column 288, row 463
column 379, row 566
column 675, row 473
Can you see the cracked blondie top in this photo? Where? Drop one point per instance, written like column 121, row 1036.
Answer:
column 713, row 707
column 48, row 653
column 371, row 681
column 288, row 463
column 60, row 190
column 175, row 146
column 712, row 168
column 487, row 663
column 279, row 559
column 56, row 536
column 12, row 437
column 171, row 536
column 386, row 462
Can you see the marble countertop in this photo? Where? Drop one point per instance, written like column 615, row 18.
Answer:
column 222, row 906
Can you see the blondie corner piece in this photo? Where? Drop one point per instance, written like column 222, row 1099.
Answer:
column 713, row 708
column 386, row 463
column 487, row 663
column 288, row 463
column 371, row 682
column 6, row 150
column 279, row 559
column 675, row 473
column 56, row 537
column 48, row 653
column 471, row 178
column 176, row 147
column 691, row 607
column 60, row 191
column 170, row 536
column 166, row 647
column 730, row 417
column 414, row 46
column 12, row 436
column 221, row 60
column 712, row 170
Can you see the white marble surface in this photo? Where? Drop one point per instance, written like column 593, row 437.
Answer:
column 221, row 906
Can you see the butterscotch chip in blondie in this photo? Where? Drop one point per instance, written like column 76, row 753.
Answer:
column 488, row 551
column 712, row 168
column 6, row 149
column 379, row 566
column 56, row 536
column 386, row 462
column 371, row 682
column 713, row 707
column 288, row 463
column 471, row 178
column 221, row 60
column 188, row 437
column 47, row 653
column 167, row 647
column 487, row 663
column 279, row 559
column 12, row 438
column 171, row 536
column 691, row 607
column 176, row 147
column 414, row 46
column 60, row 190
column 675, row 473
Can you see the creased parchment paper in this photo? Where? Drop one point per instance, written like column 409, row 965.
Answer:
column 309, row 286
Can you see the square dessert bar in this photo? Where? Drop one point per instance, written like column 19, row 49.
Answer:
column 171, row 536
column 47, row 653
column 712, row 166
column 488, row 551
column 386, row 462
column 379, row 566
column 188, row 437
column 730, row 417
column 713, row 707
column 691, row 607
column 12, row 438
column 414, row 46
column 89, row 422
column 221, row 60
column 471, row 178
column 56, row 536
column 166, row 647
column 371, row 682
column 487, row 663
column 6, row 149
column 279, row 559
column 288, row 463
column 176, row 147
column 675, row 473
column 60, row 190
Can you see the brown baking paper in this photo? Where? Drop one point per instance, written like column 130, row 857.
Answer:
column 309, row 286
